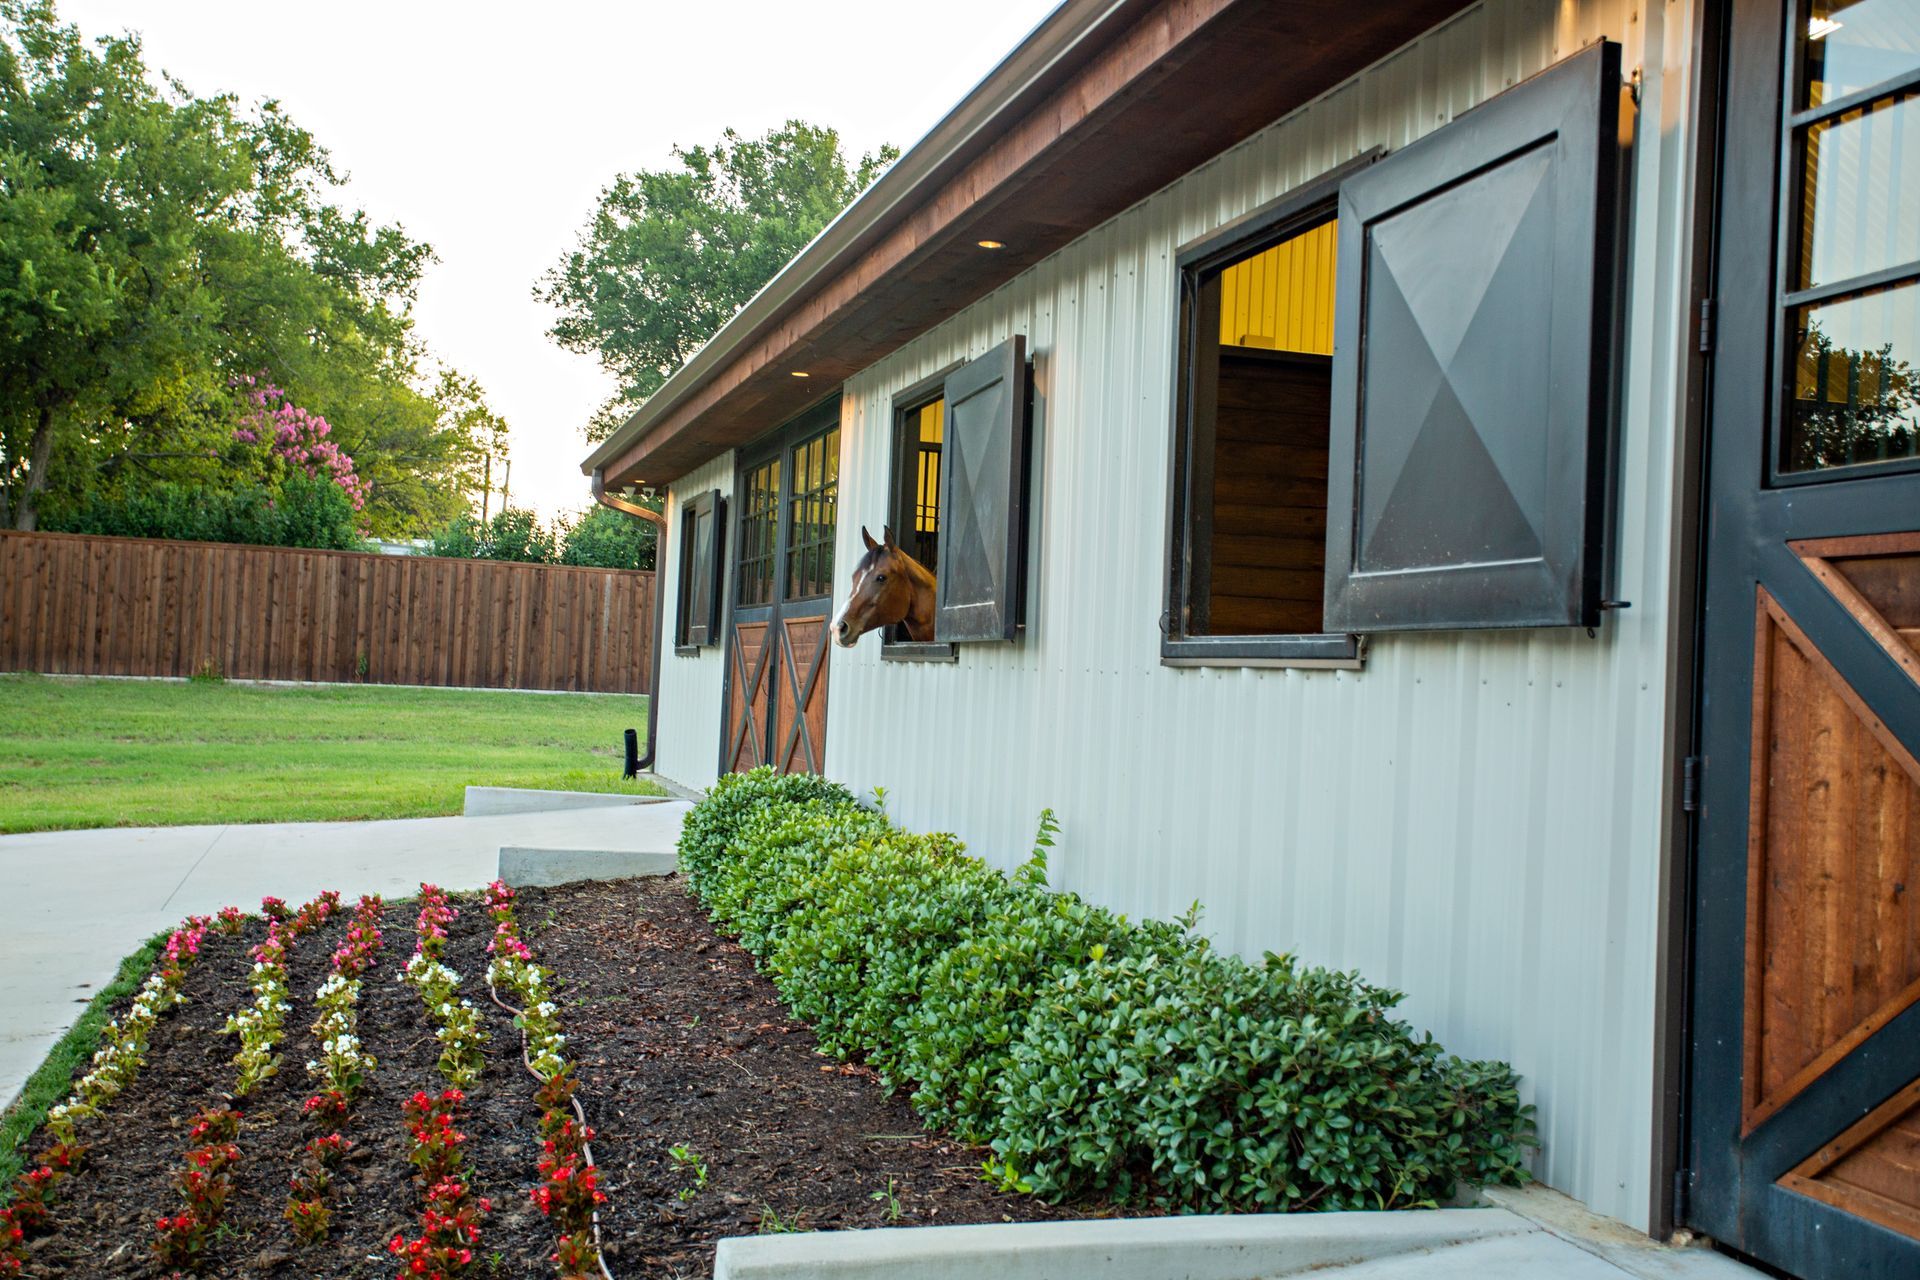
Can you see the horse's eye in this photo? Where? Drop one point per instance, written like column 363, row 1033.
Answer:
column 879, row 577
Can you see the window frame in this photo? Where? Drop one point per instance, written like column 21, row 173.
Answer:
column 789, row 509
column 1796, row 124
column 903, row 493
column 709, row 506
column 1310, row 204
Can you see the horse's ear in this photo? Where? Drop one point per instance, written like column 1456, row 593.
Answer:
column 886, row 534
column 868, row 539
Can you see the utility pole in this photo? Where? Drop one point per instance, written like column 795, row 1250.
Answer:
column 506, row 484
column 486, row 488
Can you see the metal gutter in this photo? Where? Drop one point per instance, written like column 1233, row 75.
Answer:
column 1063, row 32
column 605, row 499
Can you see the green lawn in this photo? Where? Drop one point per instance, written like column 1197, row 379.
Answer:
column 105, row 753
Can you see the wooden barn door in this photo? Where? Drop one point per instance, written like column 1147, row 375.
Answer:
column 1804, row 1114
column 777, row 646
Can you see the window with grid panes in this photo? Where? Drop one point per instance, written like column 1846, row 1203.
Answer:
column 758, row 529
column 811, row 511
column 1851, row 333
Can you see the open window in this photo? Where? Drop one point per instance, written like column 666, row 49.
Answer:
column 913, row 509
column 702, row 561
column 1246, row 577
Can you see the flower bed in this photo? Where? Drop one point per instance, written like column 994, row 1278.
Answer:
column 569, row 1192
column 116, row 1065
column 341, row 1071
column 1095, row 1054
column 316, row 1178
column 461, row 1034
column 715, row 1114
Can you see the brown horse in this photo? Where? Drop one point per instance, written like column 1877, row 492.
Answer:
column 889, row 587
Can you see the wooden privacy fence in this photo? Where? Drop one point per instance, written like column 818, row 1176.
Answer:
column 84, row 605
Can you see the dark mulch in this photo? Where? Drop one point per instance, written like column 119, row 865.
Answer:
column 681, row 1042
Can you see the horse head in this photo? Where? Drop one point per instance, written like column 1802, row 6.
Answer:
column 889, row 587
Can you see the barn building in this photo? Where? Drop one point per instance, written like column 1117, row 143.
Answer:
column 1436, row 483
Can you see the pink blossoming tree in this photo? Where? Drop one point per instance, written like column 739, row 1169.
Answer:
column 296, row 437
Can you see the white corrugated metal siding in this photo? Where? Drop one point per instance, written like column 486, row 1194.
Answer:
column 690, row 686
column 1473, row 818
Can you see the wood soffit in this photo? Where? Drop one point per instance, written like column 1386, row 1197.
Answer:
column 1183, row 82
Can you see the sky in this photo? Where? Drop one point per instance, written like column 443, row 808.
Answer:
column 489, row 131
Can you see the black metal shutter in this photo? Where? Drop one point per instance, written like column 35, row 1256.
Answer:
column 1472, row 366
column 705, row 566
column 983, row 516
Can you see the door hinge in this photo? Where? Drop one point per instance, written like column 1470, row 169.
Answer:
column 1706, row 326
column 1682, row 1188
column 1690, row 784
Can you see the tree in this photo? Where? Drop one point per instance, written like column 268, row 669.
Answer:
column 608, row 539
column 512, row 534
column 670, row 254
column 102, row 185
column 1877, row 417
column 157, row 248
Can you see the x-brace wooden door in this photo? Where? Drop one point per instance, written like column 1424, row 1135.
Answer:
column 1805, row 1089
column 777, row 644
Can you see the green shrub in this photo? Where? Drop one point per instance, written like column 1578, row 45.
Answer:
column 974, row 1002
column 603, row 538
column 866, row 926
column 296, row 511
column 1094, row 1054
column 715, row 823
column 512, row 534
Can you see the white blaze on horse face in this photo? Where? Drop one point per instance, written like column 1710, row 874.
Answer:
column 840, row 636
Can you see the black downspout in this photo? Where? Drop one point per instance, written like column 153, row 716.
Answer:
column 605, row 499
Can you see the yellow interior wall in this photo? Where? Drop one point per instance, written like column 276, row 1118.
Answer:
column 926, row 512
column 1282, row 299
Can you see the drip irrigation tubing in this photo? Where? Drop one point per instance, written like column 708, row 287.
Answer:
column 586, row 1148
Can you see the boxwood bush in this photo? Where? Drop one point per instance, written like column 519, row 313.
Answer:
column 1092, row 1053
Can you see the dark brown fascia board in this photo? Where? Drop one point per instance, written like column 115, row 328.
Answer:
column 1185, row 81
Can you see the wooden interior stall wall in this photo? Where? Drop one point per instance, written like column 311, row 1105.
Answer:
column 80, row 605
column 1269, row 493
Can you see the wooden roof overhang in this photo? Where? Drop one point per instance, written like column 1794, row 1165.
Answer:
column 1105, row 103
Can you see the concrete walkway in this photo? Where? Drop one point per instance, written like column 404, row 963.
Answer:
column 1530, row 1234
column 1534, row 1234
column 75, row 902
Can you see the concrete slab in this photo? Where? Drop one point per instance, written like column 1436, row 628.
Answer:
column 1488, row 1243
column 521, row 866
column 77, row 901
column 1628, row 1250
column 1223, row 1247
column 492, row 802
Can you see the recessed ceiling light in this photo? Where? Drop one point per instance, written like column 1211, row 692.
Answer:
column 990, row 244
column 801, row 373
column 1821, row 28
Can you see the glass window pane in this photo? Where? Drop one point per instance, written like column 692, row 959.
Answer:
column 1860, row 210
column 1856, row 44
column 1856, row 392
column 828, row 516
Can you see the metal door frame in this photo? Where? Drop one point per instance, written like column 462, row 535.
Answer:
column 781, row 443
column 1750, row 515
